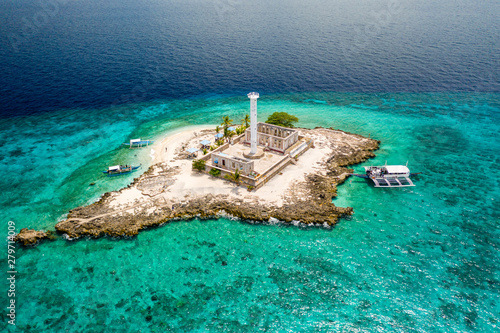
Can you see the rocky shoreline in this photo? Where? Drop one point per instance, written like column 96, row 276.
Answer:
column 306, row 201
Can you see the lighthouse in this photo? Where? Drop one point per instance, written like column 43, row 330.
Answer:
column 253, row 122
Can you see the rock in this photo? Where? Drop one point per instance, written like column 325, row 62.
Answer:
column 31, row 237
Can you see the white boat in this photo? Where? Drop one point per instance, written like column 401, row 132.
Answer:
column 138, row 143
column 388, row 175
column 116, row 170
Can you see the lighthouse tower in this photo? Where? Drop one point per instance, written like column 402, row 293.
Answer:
column 253, row 122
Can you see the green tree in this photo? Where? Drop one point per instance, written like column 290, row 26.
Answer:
column 282, row 119
column 217, row 129
column 214, row 172
column 226, row 122
column 234, row 177
column 230, row 134
column 246, row 121
column 199, row 165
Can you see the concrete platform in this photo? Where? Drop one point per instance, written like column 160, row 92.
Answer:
column 256, row 156
column 262, row 164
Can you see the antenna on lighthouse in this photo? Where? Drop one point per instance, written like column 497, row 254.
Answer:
column 253, row 122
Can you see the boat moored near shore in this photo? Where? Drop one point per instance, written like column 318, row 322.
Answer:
column 139, row 143
column 388, row 175
column 116, row 170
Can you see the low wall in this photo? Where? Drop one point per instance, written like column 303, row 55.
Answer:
column 245, row 180
column 207, row 156
column 301, row 149
column 310, row 144
column 223, row 147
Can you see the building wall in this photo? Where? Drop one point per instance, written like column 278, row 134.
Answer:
column 273, row 136
column 274, row 130
column 232, row 163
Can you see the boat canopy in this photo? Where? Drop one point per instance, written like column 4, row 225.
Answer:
column 135, row 140
column 397, row 169
column 114, row 168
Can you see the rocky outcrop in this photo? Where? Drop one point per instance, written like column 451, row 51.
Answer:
column 31, row 237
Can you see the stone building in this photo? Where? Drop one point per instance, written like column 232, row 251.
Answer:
column 273, row 137
column 231, row 163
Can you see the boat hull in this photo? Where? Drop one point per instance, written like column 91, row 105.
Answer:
column 139, row 144
column 121, row 171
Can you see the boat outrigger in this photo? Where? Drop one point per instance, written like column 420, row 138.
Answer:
column 388, row 175
column 116, row 170
column 139, row 143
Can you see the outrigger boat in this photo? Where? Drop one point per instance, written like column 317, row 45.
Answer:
column 388, row 175
column 138, row 143
column 116, row 170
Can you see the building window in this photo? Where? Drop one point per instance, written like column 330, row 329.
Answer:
column 224, row 162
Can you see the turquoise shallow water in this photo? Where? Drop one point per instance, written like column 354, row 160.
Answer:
column 414, row 259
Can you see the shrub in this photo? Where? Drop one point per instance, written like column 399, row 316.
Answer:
column 214, row 172
column 234, row 177
column 199, row 165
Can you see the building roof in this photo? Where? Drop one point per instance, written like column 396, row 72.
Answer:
column 396, row 169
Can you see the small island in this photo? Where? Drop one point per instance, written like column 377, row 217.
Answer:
column 257, row 172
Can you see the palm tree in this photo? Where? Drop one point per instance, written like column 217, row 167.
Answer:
column 226, row 122
column 217, row 129
column 234, row 177
column 230, row 134
column 246, row 121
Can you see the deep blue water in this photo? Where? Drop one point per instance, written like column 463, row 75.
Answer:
column 78, row 78
column 71, row 54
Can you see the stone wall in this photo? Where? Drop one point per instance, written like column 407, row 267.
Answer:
column 276, row 138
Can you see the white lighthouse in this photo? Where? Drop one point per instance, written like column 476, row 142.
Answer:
column 253, row 122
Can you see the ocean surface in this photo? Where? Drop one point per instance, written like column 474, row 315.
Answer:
column 79, row 78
